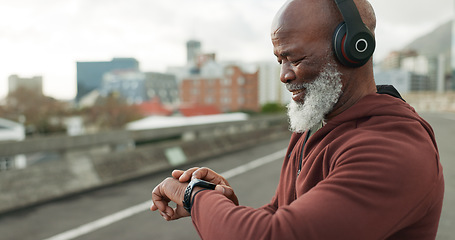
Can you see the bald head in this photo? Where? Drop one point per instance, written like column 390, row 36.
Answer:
column 321, row 16
column 302, row 36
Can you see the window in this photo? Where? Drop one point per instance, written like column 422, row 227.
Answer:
column 226, row 100
column 209, row 100
column 241, row 80
column 229, row 71
column 151, row 93
column 227, row 81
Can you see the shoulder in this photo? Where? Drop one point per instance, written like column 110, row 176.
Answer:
column 400, row 136
column 381, row 122
column 399, row 148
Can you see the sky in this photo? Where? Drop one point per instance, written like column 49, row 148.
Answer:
column 47, row 37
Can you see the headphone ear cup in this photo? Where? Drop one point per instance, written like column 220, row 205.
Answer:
column 339, row 37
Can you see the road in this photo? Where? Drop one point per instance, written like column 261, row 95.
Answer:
column 120, row 211
column 444, row 127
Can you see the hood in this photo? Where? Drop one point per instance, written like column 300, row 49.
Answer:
column 378, row 105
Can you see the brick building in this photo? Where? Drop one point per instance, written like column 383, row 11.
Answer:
column 234, row 90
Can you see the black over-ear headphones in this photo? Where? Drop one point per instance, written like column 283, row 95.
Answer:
column 353, row 42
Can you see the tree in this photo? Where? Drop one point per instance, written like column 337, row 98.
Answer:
column 111, row 112
column 273, row 108
column 39, row 113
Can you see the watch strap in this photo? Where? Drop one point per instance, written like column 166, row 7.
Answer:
column 187, row 201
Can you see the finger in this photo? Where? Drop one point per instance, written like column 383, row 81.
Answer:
column 170, row 189
column 206, row 174
column 169, row 212
column 159, row 200
column 186, row 176
column 153, row 207
column 165, row 216
column 159, row 205
column 177, row 173
column 220, row 189
column 209, row 175
column 179, row 212
column 228, row 192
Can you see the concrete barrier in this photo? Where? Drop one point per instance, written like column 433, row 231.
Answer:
column 81, row 170
column 431, row 101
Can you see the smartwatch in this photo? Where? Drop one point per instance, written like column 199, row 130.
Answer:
column 187, row 204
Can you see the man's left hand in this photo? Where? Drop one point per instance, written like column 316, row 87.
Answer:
column 170, row 189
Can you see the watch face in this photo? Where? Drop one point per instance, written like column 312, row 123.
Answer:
column 204, row 184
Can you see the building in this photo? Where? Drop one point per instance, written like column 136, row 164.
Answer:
column 404, row 81
column 396, row 77
column 138, row 87
column 34, row 83
column 163, row 86
column 417, row 64
column 230, row 86
column 130, row 84
column 235, row 90
column 428, row 66
column 427, row 72
column 271, row 89
column 394, row 59
column 193, row 49
column 90, row 74
column 452, row 59
column 154, row 107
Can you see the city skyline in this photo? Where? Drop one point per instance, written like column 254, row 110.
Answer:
column 46, row 38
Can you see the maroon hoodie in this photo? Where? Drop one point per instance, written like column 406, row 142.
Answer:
column 372, row 172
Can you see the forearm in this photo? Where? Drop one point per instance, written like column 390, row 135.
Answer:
column 216, row 217
column 319, row 214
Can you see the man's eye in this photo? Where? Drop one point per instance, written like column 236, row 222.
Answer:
column 296, row 62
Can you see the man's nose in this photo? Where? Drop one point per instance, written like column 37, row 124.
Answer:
column 287, row 74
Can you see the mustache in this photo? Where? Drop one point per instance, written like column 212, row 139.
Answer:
column 296, row 86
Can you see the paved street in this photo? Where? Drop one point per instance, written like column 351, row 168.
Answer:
column 254, row 188
column 444, row 127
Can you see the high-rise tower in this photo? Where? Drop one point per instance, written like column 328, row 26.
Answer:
column 193, row 49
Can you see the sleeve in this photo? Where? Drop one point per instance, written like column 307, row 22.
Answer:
column 272, row 206
column 375, row 187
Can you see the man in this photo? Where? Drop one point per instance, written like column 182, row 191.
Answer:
column 360, row 165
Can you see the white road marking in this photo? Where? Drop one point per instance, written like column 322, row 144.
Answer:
column 102, row 222
column 118, row 216
column 253, row 164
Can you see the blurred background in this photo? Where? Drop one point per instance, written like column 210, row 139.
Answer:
column 84, row 80
column 75, row 53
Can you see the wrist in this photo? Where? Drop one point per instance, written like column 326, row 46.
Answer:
column 196, row 190
column 195, row 186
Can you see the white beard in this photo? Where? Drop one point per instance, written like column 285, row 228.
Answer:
column 320, row 97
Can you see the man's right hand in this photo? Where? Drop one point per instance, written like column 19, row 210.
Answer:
column 208, row 175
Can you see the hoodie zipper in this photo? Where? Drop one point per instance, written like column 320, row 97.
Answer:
column 301, row 154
